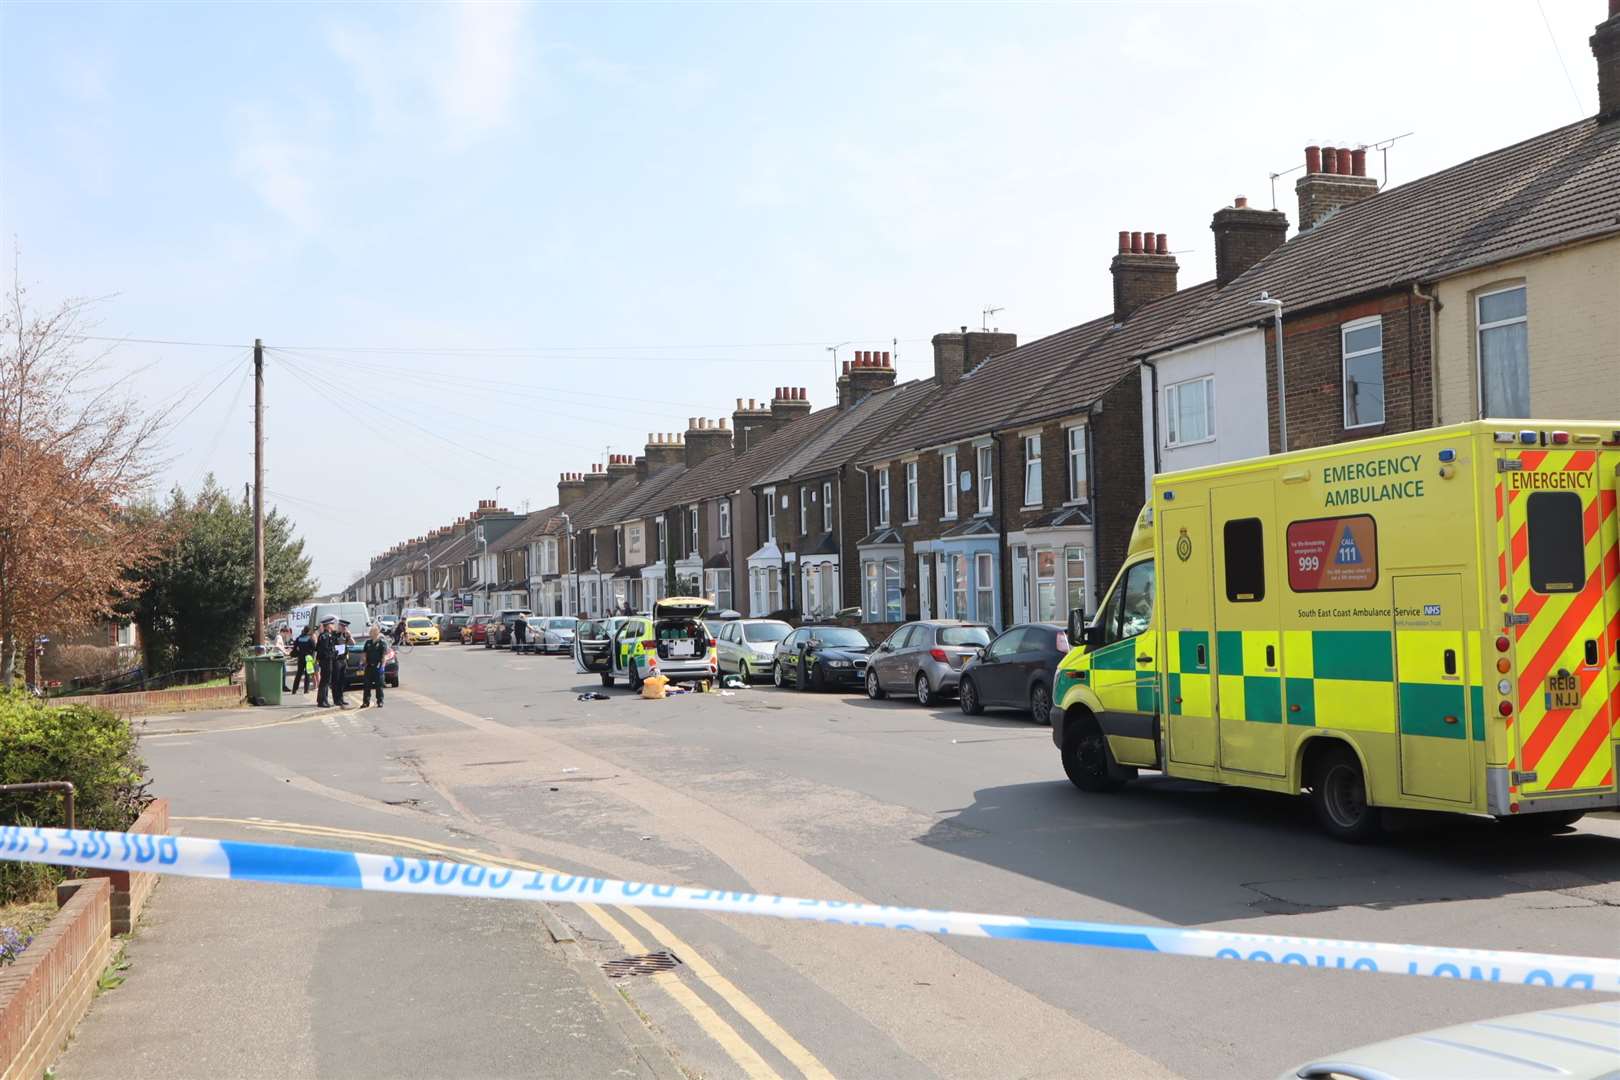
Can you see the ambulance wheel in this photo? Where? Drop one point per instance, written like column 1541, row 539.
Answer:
column 1542, row 824
column 635, row 680
column 1089, row 761
column 607, row 680
column 1339, row 797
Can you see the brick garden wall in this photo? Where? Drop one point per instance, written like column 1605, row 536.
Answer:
column 47, row 991
column 147, row 702
column 132, row 888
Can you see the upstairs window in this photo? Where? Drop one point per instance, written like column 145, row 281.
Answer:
column 692, row 518
column 1363, row 345
column 1032, row 470
column 725, row 519
column 1189, row 412
column 987, row 483
column 804, row 510
column 883, row 496
column 826, row 505
column 948, row 469
column 1077, row 463
column 1504, row 353
column 911, row 491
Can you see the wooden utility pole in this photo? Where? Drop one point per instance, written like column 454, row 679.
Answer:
column 258, row 492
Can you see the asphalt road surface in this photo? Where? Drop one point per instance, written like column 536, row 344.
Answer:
column 488, row 755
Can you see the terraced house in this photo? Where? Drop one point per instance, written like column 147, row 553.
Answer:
column 1487, row 289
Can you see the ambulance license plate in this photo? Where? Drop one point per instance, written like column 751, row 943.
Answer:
column 1563, row 691
column 680, row 648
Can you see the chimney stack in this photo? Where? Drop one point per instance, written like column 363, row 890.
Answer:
column 1144, row 271
column 754, row 424
column 662, row 451
column 704, row 439
column 595, row 480
column 570, row 489
column 1605, row 42
column 1244, row 236
column 869, row 372
column 957, row 354
column 1335, row 177
column 620, row 466
column 790, row 403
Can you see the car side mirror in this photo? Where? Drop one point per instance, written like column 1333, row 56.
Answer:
column 1077, row 624
column 885, row 647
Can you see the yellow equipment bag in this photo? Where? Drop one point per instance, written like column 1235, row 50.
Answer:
column 653, row 689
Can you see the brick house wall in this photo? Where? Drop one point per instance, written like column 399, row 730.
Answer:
column 1116, row 470
column 1314, row 359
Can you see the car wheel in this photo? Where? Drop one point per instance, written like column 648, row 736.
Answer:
column 607, row 680
column 1089, row 762
column 925, row 694
column 778, row 680
column 874, row 689
column 968, row 698
column 1339, row 797
column 1040, row 704
column 743, row 673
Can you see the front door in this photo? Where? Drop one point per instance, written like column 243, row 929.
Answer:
column 925, row 594
column 1248, row 645
column 1189, row 707
column 1020, row 580
column 1431, row 678
column 1560, row 513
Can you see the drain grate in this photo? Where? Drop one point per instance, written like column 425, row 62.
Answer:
column 646, row 964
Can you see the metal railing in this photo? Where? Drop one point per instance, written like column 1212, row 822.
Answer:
column 64, row 786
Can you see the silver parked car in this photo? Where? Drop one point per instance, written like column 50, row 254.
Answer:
column 552, row 634
column 747, row 645
column 924, row 659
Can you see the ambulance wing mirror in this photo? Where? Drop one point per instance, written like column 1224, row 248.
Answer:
column 1080, row 630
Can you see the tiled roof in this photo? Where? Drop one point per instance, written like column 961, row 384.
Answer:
column 1555, row 188
column 867, row 420
column 587, row 513
column 1112, row 354
column 726, row 472
column 532, row 526
column 648, row 497
column 985, row 396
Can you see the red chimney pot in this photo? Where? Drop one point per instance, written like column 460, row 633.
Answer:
column 1358, row 156
column 1124, row 242
column 1240, row 202
column 1136, row 243
column 1164, row 244
column 1313, row 159
column 1330, row 159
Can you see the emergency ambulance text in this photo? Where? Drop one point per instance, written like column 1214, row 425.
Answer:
column 1559, row 480
column 1399, row 465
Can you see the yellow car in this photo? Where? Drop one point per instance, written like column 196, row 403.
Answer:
column 420, row 630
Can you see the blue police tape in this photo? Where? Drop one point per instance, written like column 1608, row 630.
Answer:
column 287, row 865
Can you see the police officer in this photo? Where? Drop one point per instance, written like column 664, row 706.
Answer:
column 303, row 647
column 376, row 650
column 323, row 660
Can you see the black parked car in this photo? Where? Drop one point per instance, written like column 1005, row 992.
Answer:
column 1016, row 671
column 833, row 656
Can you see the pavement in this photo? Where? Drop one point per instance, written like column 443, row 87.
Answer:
column 486, row 755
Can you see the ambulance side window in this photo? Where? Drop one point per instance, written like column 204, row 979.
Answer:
column 1244, row 541
column 1557, row 541
column 1130, row 609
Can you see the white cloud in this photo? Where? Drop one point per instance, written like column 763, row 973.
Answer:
column 476, row 81
column 278, row 168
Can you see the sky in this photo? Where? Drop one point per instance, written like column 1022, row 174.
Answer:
column 487, row 243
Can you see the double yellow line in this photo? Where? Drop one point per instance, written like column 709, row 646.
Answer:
column 711, row 1022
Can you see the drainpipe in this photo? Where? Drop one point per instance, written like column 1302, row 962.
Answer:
column 1003, row 570
column 1091, row 496
column 1153, row 376
column 1411, row 360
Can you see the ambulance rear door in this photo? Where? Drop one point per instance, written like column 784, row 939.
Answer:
column 1560, row 563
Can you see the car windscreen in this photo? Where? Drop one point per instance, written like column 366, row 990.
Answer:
column 766, row 631
column 418, row 623
column 964, row 635
column 560, row 624
column 840, row 637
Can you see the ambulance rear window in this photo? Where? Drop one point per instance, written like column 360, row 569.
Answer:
column 1557, row 541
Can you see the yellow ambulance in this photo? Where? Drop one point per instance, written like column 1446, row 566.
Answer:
column 1425, row 621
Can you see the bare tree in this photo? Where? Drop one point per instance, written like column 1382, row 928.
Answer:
column 74, row 451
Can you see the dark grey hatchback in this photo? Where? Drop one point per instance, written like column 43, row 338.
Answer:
column 924, row 659
column 1015, row 671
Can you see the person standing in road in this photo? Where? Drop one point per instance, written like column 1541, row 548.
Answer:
column 324, row 645
column 520, row 633
column 340, row 662
column 376, row 650
column 303, row 654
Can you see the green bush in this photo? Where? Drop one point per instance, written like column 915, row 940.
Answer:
column 93, row 748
